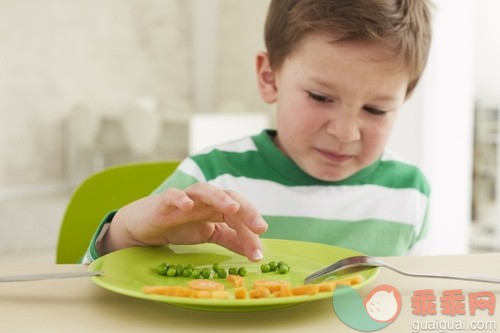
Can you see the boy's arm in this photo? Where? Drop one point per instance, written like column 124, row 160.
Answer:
column 178, row 179
column 92, row 254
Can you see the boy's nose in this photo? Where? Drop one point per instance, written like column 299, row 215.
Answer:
column 344, row 128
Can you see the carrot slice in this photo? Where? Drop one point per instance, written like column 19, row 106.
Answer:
column 240, row 293
column 285, row 291
column 219, row 294
column 306, row 289
column 271, row 285
column 168, row 291
column 236, row 280
column 349, row 281
column 259, row 292
column 327, row 286
column 201, row 294
column 183, row 292
column 160, row 290
column 199, row 284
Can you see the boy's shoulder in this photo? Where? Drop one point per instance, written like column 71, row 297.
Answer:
column 389, row 155
column 391, row 160
column 400, row 172
column 239, row 145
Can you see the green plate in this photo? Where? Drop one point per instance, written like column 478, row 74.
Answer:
column 128, row 271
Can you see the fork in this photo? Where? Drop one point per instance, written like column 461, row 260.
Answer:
column 48, row 276
column 366, row 261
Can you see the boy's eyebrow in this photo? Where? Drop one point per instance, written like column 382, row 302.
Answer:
column 321, row 82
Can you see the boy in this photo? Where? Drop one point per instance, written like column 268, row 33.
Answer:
column 338, row 71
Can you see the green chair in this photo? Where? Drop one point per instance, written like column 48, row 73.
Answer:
column 102, row 192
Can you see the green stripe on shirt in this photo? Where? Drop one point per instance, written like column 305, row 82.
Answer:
column 359, row 235
column 270, row 164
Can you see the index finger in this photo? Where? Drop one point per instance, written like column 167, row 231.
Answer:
column 248, row 214
column 247, row 224
column 213, row 196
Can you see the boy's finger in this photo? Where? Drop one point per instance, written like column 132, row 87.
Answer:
column 177, row 198
column 213, row 196
column 244, row 244
column 248, row 214
column 250, row 242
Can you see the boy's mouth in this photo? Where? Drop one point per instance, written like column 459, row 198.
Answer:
column 334, row 156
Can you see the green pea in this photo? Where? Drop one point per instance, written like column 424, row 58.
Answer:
column 187, row 272
column 172, row 271
column 162, row 269
column 205, row 272
column 281, row 263
column 179, row 268
column 242, row 271
column 233, row 271
column 215, row 267
column 196, row 273
column 265, row 268
column 283, row 269
column 273, row 265
column 222, row 273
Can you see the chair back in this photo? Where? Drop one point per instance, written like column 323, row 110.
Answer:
column 101, row 193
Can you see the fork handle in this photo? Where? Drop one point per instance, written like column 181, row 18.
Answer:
column 48, row 276
column 450, row 277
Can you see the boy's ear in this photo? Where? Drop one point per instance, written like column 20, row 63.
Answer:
column 266, row 79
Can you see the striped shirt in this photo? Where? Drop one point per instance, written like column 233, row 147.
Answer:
column 381, row 210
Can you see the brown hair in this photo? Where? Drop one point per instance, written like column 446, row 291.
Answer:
column 402, row 27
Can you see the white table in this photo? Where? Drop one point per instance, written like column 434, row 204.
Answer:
column 78, row 305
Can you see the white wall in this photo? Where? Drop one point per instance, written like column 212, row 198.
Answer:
column 105, row 54
column 435, row 129
column 204, row 41
column 487, row 49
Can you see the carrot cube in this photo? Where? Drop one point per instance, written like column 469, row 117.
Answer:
column 306, row 289
column 349, row 281
column 236, row 280
column 205, row 285
column 271, row 285
column 259, row 292
column 201, row 294
column 327, row 286
column 240, row 293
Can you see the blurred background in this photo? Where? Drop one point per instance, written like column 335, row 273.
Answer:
column 86, row 84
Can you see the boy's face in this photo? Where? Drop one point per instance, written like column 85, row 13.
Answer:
column 336, row 105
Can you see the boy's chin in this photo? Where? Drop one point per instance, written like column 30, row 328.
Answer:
column 332, row 176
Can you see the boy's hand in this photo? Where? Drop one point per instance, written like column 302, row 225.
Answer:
column 201, row 213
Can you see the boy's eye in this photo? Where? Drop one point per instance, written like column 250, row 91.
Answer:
column 318, row 98
column 375, row 111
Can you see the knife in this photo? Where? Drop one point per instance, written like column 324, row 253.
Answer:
column 48, row 276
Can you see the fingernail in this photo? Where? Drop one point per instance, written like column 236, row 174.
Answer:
column 257, row 254
column 228, row 201
column 186, row 201
column 259, row 222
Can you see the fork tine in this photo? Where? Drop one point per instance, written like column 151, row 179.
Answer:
column 324, row 271
column 341, row 264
